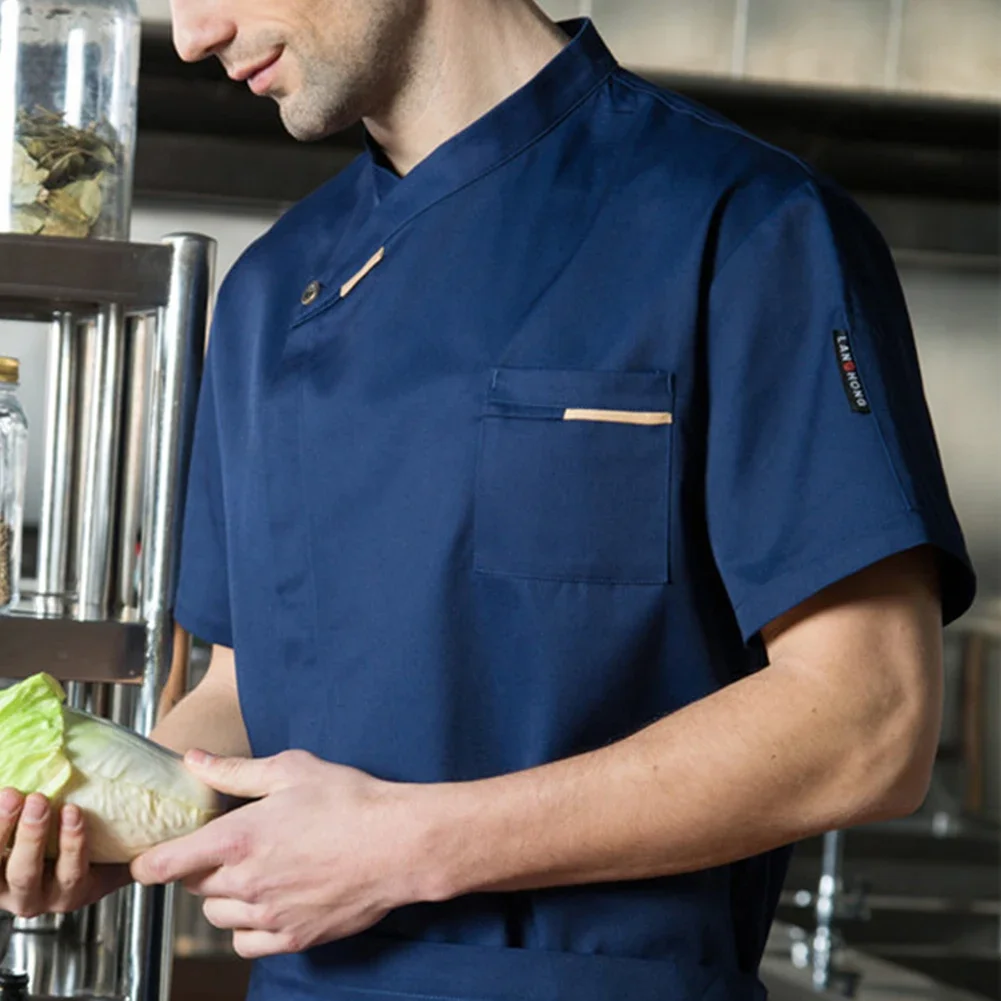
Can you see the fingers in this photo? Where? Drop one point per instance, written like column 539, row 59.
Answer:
column 248, row 778
column 255, row 931
column 206, row 849
column 11, row 802
column 216, row 883
column 26, row 865
column 33, row 886
column 229, row 914
column 72, row 865
column 258, row 944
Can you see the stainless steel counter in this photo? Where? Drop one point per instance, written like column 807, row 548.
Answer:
column 879, row 980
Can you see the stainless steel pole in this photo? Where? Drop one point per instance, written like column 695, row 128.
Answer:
column 178, row 351
column 127, row 531
column 60, row 414
column 828, row 894
column 106, row 951
column 99, row 926
column 100, row 388
column 101, row 409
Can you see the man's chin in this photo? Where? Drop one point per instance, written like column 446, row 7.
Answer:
column 306, row 128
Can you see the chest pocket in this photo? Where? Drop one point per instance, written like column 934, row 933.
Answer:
column 573, row 480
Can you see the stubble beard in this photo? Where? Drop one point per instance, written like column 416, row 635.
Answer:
column 324, row 103
column 337, row 91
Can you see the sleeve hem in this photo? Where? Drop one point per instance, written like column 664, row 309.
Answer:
column 208, row 630
column 784, row 593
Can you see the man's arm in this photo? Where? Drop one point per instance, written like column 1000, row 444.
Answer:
column 209, row 716
column 840, row 729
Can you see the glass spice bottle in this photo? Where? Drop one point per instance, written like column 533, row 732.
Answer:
column 68, row 91
column 13, row 472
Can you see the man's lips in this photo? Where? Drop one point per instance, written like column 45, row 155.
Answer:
column 258, row 75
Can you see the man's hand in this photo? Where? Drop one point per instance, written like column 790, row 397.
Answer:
column 324, row 852
column 28, row 885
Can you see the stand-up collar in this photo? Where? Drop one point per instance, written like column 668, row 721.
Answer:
column 514, row 123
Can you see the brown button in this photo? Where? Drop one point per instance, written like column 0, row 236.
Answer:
column 311, row 293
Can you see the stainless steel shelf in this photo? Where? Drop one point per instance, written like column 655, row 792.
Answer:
column 40, row 275
column 115, row 404
column 71, row 650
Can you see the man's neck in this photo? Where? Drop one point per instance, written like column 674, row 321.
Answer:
column 469, row 57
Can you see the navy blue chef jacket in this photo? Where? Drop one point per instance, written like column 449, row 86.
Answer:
column 502, row 461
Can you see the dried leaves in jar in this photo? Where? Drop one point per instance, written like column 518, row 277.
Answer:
column 60, row 175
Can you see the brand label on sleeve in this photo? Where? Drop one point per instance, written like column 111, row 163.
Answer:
column 850, row 378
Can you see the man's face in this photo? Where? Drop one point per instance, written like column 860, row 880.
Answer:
column 327, row 63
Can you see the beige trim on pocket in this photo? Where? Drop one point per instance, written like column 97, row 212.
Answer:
column 646, row 418
column 369, row 265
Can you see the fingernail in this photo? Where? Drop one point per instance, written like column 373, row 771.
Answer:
column 35, row 808
column 72, row 817
column 199, row 757
column 10, row 802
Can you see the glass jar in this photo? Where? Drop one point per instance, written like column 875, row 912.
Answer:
column 68, row 90
column 13, row 473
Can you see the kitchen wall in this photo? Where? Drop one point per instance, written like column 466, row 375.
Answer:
column 945, row 47
column 956, row 313
column 948, row 47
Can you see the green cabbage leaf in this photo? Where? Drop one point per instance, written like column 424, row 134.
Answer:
column 134, row 794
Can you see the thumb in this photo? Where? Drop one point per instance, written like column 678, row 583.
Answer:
column 248, row 778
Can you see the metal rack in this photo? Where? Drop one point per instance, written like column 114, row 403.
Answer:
column 127, row 335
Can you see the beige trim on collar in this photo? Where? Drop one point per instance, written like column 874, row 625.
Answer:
column 369, row 266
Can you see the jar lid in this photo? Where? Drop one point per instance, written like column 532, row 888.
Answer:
column 9, row 369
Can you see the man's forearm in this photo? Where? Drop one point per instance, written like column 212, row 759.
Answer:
column 758, row 765
column 207, row 718
column 841, row 729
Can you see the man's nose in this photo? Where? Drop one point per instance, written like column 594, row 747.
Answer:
column 201, row 28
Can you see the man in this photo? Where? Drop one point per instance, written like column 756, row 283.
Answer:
column 564, row 486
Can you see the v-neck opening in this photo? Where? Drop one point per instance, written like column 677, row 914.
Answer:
column 505, row 131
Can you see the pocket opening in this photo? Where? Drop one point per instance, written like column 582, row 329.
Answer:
column 573, row 477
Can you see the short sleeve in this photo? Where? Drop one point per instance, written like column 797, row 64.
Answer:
column 821, row 457
column 202, row 602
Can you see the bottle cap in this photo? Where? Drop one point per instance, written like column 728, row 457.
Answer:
column 10, row 369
